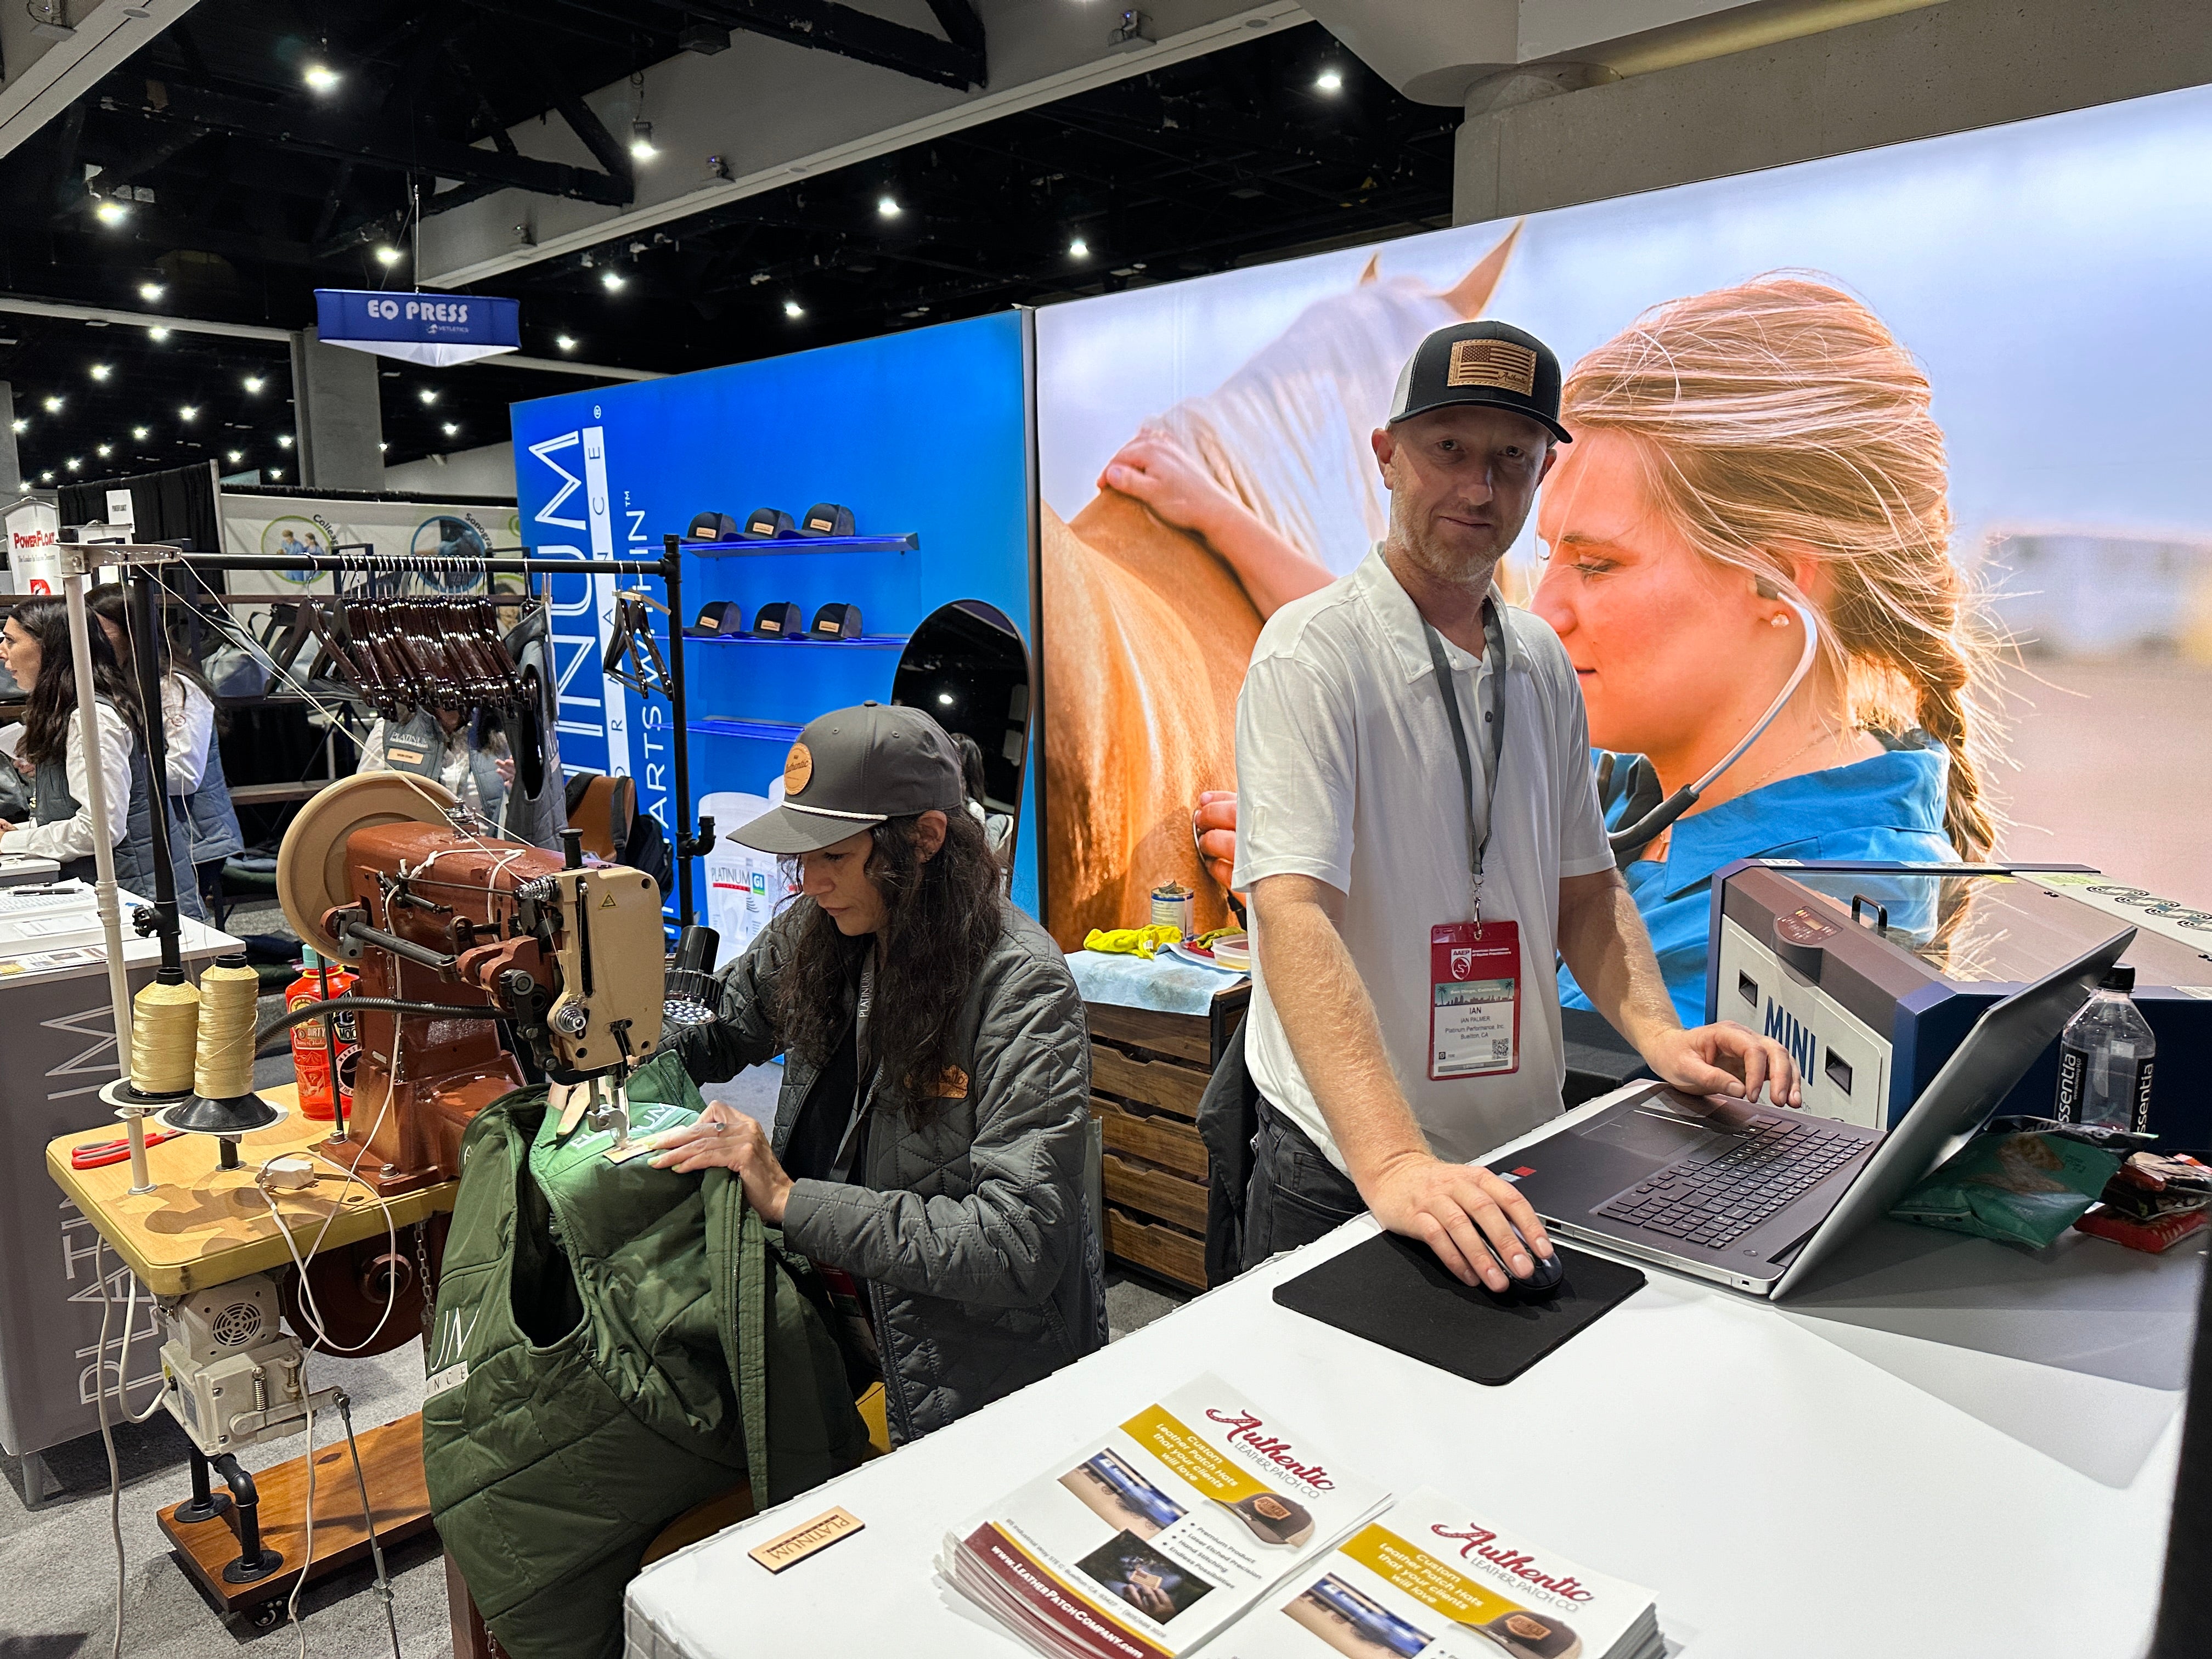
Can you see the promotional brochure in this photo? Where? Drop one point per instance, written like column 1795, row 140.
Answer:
column 1205, row 1520
column 1152, row 1539
column 1427, row 1577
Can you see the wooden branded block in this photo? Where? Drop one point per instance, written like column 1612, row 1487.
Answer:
column 788, row 1549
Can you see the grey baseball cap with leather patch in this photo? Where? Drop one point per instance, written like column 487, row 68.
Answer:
column 851, row 770
column 1493, row 365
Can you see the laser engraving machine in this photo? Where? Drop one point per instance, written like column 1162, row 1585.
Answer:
column 1871, row 974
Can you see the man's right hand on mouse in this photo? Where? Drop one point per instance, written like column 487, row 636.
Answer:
column 1442, row 1205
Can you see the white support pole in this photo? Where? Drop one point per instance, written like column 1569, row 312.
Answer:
column 103, row 851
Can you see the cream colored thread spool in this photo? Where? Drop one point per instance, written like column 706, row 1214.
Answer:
column 223, row 1066
column 165, row 1022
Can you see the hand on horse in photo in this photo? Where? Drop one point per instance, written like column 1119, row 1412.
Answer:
column 1157, row 471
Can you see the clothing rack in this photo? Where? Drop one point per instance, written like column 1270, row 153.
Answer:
column 140, row 564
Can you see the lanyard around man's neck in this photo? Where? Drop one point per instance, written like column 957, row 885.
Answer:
column 1493, row 657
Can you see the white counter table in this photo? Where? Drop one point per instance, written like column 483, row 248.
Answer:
column 1876, row 1468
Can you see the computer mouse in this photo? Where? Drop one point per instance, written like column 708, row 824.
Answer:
column 1546, row 1275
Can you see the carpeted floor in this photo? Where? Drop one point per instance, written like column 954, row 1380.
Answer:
column 57, row 1562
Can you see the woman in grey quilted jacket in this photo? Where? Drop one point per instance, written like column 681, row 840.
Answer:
column 929, row 1134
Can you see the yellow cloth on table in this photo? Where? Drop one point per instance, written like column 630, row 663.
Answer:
column 1132, row 941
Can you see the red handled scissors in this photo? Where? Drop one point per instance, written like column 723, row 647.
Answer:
column 102, row 1153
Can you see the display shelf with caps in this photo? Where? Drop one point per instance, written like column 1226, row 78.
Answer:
column 766, row 548
column 1148, row 1070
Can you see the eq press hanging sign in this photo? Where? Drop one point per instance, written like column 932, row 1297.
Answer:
column 437, row 330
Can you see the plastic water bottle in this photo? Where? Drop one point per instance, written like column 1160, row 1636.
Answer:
column 2104, row 1058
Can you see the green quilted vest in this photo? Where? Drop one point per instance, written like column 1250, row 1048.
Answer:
column 613, row 1344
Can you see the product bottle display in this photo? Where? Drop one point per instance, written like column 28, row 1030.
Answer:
column 2105, row 1057
column 324, row 1068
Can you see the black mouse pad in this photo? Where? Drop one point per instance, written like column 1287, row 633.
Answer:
column 1394, row 1291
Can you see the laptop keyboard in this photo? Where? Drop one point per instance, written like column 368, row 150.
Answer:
column 1714, row 1197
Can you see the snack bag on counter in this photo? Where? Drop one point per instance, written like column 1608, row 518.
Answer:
column 2020, row 1181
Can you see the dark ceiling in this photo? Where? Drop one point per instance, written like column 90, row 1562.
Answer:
column 235, row 189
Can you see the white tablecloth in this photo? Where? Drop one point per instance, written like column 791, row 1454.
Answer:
column 1794, row 1481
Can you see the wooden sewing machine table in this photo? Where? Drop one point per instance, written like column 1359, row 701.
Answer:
column 202, row 1227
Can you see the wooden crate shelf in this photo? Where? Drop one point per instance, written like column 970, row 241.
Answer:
column 1148, row 1072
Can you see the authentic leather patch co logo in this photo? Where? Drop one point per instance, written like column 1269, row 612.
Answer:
column 788, row 1549
column 798, row 769
column 1492, row 363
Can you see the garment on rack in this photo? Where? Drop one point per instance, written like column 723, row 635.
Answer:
column 613, row 1344
column 196, row 775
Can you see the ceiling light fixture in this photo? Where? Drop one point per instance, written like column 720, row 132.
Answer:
column 641, row 141
column 427, row 395
column 612, row 279
column 564, row 342
column 451, row 429
column 47, row 477
column 1078, row 249
column 157, row 334
column 100, row 371
column 319, row 77
column 111, row 213
column 254, row 383
column 1330, row 81
column 284, row 441
column 275, row 475
column 140, row 433
column 380, row 448
column 188, row 413
column 150, row 292
column 21, row 425
column 888, row 206
column 73, row 463
column 236, row 456
column 53, row 406
column 792, row 308
column 105, row 450
column 387, row 256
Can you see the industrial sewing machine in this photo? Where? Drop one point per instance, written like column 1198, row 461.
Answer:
column 467, row 934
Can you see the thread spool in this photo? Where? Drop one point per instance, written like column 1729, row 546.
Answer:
column 222, row 1064
column 164, row 1038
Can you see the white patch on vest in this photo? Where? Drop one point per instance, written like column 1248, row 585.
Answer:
column 452, row 1377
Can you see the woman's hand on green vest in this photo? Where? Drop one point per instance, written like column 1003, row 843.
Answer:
column 724, row 1138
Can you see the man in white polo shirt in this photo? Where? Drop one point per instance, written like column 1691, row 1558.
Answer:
column 1415, row 864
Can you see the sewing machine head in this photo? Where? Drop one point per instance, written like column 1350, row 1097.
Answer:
column 378, row 871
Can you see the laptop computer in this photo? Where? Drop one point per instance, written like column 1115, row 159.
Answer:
column 1755, row 1197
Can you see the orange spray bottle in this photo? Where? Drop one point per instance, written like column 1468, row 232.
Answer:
column 323, row 1066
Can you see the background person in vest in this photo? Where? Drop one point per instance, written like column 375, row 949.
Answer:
column 36, row 643
column 189, row 725
column 930, row 1138
column 469, row 757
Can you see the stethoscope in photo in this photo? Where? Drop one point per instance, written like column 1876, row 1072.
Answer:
column 1653, row 815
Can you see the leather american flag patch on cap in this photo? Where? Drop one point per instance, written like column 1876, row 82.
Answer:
column 1500, row 363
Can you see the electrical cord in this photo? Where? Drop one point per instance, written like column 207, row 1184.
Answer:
column 317, row 1009
column 108, row 1436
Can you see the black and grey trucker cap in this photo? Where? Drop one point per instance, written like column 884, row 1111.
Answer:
column 853, row 768
column 1489, row 363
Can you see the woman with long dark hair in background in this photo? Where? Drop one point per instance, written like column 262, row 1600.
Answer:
column 189, row 725
column 929, row 1143
column 35, row 643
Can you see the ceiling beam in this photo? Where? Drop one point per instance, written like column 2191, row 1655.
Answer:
column 827, row 27
column 98, row 44
column 386, row 144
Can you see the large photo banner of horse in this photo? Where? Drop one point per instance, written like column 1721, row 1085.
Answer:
column 1950, row 392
